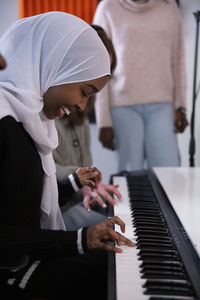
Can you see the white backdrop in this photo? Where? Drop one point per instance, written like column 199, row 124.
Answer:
column 105, row 159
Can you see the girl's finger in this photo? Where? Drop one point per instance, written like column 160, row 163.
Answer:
column 86, row 202
column 116, row 220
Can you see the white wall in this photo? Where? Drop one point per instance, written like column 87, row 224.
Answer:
column 8, row 13
column 105, row 159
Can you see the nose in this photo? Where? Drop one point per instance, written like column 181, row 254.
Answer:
column 83, row 104
column 2, row 62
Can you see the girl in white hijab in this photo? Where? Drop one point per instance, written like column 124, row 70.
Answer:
column 42, row 52
column 55, row 61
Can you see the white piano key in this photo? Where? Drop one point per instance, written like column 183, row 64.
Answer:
column 128, row 277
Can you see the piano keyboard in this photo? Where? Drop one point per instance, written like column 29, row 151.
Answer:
column 153, row 269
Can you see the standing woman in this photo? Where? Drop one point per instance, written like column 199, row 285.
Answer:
column 144, row 104
column 55, row 61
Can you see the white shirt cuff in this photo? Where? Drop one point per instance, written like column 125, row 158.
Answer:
column 73, row 182
column 79, row 241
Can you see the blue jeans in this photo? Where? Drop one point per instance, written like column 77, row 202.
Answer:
column 145, row 132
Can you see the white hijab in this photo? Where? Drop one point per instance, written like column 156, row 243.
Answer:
column 42, row 51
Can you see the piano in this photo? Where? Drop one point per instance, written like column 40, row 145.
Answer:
column 165, row 264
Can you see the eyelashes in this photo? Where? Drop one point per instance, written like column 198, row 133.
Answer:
column 84, row 93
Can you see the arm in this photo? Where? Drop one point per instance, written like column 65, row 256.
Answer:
column 102, row 103
column 179, row 73
column 89, row 176
column 44, row 244
column 69, row 156
column 38, row 243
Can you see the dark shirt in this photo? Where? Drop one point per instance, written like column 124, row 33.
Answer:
column 21, row 181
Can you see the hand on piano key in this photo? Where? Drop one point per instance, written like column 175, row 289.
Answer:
column 92, row 197
column 98, row 236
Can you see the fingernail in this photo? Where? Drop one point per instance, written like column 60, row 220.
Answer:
column 89, row 209
column 104, row 205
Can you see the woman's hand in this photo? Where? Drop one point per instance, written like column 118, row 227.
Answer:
column 92, row 197
column 106, row 137
column 97, row 236
column 89, row 176
column 180, row 120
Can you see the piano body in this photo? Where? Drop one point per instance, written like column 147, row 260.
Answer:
column 161, row 209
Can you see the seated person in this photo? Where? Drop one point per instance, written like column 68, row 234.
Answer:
column 50, row 58
column 87, row 207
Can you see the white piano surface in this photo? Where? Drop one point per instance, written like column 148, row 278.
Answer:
column 182, row 186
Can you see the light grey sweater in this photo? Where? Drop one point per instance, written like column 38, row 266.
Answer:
column 73, row 149
column 149, row 45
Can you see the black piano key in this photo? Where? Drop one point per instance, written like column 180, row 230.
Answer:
column 162, row 267
column 158, row 251
column 144, row 199
column 140, row 183
column 149, row 210
column 157, row 224
column 156, row 257
column 141, row 232
column 153, row 259
column 146, row 209
column 163, row 274
column 150, row 248
column 161, row 287
column 142, row 188
column 151, row 227
column 137, row 192
column 145, row 204
column 148, row 217
column 155, row 239
column 143, row 213
column 137, row 222
column 172, row 298
column 134, row 180
column 172, row 263
column 155, row 245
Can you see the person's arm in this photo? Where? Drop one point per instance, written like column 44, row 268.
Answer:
column 44, row 244
column 102, row 103
column 62, row 172
column 89, row 176
column 179, row 73
column 38, row 243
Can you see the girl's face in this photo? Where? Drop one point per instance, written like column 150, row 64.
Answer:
column 66, row 98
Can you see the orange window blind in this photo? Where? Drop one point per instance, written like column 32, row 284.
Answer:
column 83, row 9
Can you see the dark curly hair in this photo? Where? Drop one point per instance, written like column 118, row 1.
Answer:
column 108, row 44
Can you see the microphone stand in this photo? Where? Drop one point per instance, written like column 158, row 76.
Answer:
column 192, row 139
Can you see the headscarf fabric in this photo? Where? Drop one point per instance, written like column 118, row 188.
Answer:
column 43, row 51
